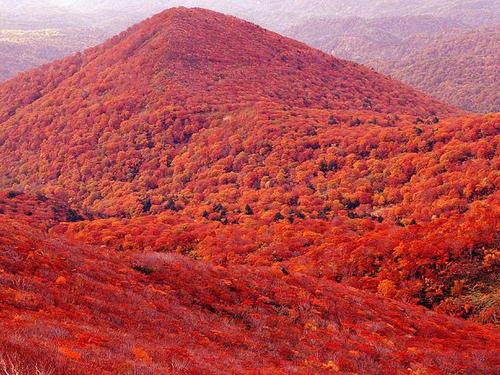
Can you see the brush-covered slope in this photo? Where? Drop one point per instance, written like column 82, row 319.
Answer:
column 36, row 209
column 68, row 308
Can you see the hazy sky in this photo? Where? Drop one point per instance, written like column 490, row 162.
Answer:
column 274, row 14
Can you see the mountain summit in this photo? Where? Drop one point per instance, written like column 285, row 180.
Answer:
column 203, row 56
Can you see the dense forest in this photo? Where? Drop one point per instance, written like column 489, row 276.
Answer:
column 129, row 128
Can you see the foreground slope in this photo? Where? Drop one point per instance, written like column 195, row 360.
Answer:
column 70, row 308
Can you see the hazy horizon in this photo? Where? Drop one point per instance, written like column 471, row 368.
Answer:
column 274, row 14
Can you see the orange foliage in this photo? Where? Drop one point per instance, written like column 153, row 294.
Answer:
column 69, row 353
column 157, row 313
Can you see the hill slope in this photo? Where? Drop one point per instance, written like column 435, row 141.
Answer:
column 84, row 310
column 77, row 18
column 158, row 119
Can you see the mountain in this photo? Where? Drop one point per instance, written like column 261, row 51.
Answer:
column 274, row 14
column 198, row 190
column 150, row 90
column 377, row 33
column 33, row 33
column 460, row 68
column 290, row 13
column 36, row 15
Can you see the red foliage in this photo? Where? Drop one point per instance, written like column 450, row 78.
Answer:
column 111, row 123
column 421, row 263
column 154, row 312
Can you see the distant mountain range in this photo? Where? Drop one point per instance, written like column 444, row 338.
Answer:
column 22, row 49
column 461, row 67
column 275, row 14
column 441, row 56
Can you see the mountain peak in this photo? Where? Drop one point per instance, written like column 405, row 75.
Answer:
column 208, row 57
column 206, row 33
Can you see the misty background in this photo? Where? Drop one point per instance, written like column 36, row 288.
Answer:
column 275, row 14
